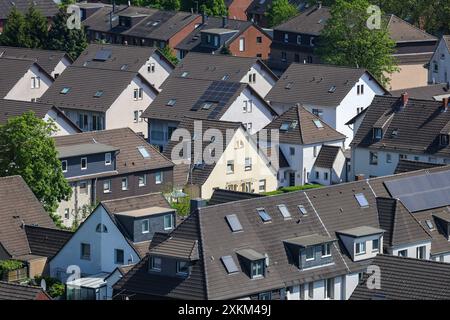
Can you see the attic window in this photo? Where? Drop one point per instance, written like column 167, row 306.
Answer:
column 444, row 140
column 124, row 67
column 361, row 198
column 429, row 224
column 264, row 215
column 284, row 211
column 289, row 85
column 207, row 105
column 394, row 133
column 302, row 210
column 377, row 133
column 332, row 89
column 171, row 102
column 318, row 123
column 226, row 77
column 234, row 223
column 154, row 24
column 98, row 94
column 229, row 264
column 184, row 74
column 285, row 126
column 65, row 90
column 144, row 153
column 293, row 124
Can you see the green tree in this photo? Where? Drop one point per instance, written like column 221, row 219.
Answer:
column 60, row 37
column 36, row 28
column 27, row 149
column 14, row 32
column 171, row 4
column 280, row 11
column 215, row 8
column 168, row 53
column 346, row 40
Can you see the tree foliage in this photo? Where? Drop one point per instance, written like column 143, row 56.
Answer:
column 14, row 33
column 27, row 149
column 36, row 28
column 280, row 11
column 215, row 8
column 346, row 40
column 168, row 53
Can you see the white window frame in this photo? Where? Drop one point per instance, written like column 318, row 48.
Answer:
column 241, row 44
column 62, row 165
column 230, row 162
column 376, row 249
column 361, row 247
column 108, row 190
column 249, row 166
column 126, row 183
column 170, row 216
column 81, row 163
column 183, row 273
column 327, row 247
column 151, row 67
column 313, row 253
column 144, row 180
column 153, row 264
column 135, row 116
column 160, row 179
column 108, row 159
column 145, row 222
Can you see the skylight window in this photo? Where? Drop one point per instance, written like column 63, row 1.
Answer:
column 124, row 67
column 289, row 85
column 172, row 102
column 318, row 123
column 302, row 210
column 264, row 215
column 285, row 126
column 154, row 24
column 184, row 74
column 284, row 211
column 293, row 124
column 394, row 133
column 144, row 153
column 98, row 94
column 429, row 224
column 65, row 90
column 234, row 223
column 361, row 198
column 332, row 89
column 207, row 105
column 229, row 264
column 226, row 77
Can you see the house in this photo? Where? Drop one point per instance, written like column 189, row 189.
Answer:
column 132, row 25
column 116, row 234
column 428, row 283
column 27, row 233
column 218, row 67
column 314, row 244
column 439, row 69
column 204, row 99
column 14, row 291
column 396, row 128
column 302, row 136
column 14, row 108
column 47, row 8
column 430, row 92
column 219, row 154
column 150, row 63
column 23, row 79
column 214, row 35
column 335, row 94
column 52, row 61
column 106, row 165
column 330, row 166
column 97, row 99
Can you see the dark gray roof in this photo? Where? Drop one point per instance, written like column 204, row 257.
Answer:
column 407, row 279
column 13, row 108
column 327, row 156
column 360, row 231
column 311, row 21
column 223, row 196
column 84, row 83
column 418, row 126
column 84, row 149
column 14, row 291
column 48, row 8
column 309, row 240
column 410, row 165
column 426, row 92
column 402, row 31
column 46, row 242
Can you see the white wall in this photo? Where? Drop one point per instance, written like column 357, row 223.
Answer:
column 443, row 64
column 412, row 249
column 162, row 70
column 351, row 282
column 62, row 125
column 319, row 290
column 22, row 89
column 442, row 257
column 349, row 243
column 264, row 81
column 61, row 66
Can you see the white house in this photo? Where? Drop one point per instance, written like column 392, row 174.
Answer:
column 439, row 70
column 330, row 166
column 335, row 94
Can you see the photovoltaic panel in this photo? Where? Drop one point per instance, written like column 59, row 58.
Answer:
column 423, row 192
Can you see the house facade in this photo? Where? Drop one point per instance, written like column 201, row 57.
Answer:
column 439, row 69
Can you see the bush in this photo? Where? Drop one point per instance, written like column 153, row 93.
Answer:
column 9, row 265
column 55, row 288
column 291, row 189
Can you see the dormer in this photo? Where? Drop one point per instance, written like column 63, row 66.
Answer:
column 443, row 222
column 253, row 263
column 443, row 140
column 310, row 251
column 377, row 134
column 216, row 37
column 362, row 242
column 128, row 20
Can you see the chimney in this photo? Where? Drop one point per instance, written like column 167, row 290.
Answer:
column 224, row 21
column 405, row 99
column 197, row 203
column 444, row 104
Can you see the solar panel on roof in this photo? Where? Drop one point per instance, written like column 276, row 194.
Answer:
column 103, row 55
column 233, row 222
column 361, row 198
column 229, row 264
column 219, row 92
column 264, row 215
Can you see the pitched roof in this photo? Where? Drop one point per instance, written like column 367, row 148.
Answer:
column 130, row 58
column 326, row 157
column 430, row 92
column 311, row 21
column 14, row 291
column 13, row 108
column 47, row 59
column 129, row 159
column 136, row 202
column 316, row 84
column 84, row 83
column 303, row 128
column 224, row 196
column 407, row 279
column 217, row 66
column 410, row 165
column 18, row 207
column 46, row 242
column 416, row 127
column 402, row 31
column 48, row 8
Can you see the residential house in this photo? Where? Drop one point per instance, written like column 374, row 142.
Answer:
column 97, row 99
column 23, row 79
column 27, row 233
column 218, row 35
column 47, row 112
column 439, row 69
column 116, row 234
column 330, row 166
column 431, row 92
column 142, row 26
column 150, row 63
column 14, row 291
column 335, row 94
column 219, row 154
column 396, row 128
column 208, row 100
column 218, row 67
column 302, row 136
column 47, row 8
column 52, row 61
column 109, row 164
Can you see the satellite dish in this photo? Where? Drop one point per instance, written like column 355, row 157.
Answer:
column 43, row 285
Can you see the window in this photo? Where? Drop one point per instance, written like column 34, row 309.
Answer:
column 248, row 164
column 373, row 160
column 107, row 159
column 265, row 296
column 85, row 251
column 444, row 139
column 65, row 90
column 317, row 175
column 230, row 166
column 284, row 211
column 299, row 39
column 377, row 133
column 140, row 93
column 318, row 123
column 83, row 163
column 144, row 153
column 249, row 126
column 234, row 223
column 388, row 158
column 241, row 44
column 184, row 74
column 360, row 89
column 302, row 210
column 311, row 41
column 136, row 116
column 145, row 226
column 257, row 269
column 309, row 252
column 83, row 187
column 107, row 186
column 124, row 183
column 66, row 213
column 136, row 94
column 286, row 37
column 101, row 228
column 403, row 253
column 329, row 289
column 362, row 201
column 248, row 106
column 168, row 222
column 151, row 67
column 182, row 268
column 402, row 156
column 118, row 256
column 142, row 180
column 283, row 56
column 35, row 82
column 64, row 165
column 158, row 177
column 325, row 176
column 315, row 151
column 155, row 263
column 360, row 247
column 98, row 94
column 262, row 185
column 376, row 245
column 265, row 217
column 326, row 250
column 216, row 41
column 429, row 224
column 420, row 252
column 311, row 290
column 171, row 102
column 292, row 151
column 258, row 39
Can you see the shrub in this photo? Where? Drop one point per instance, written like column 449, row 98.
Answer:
column 9, row 265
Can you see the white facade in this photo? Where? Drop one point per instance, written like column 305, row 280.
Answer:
column 369, row 252
column 328, row 176
column 60, row 67
column 156, row 70
column 259, row 79
column 63, row 127
column 439, row 70
column 319, row 291
column 34, row 83
column 411, row 250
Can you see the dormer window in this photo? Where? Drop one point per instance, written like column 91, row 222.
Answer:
column 377, row 133
column 253, row 261
column 155, row 264
column 309, row 253
column 444, row 139
column 257, row 269
column 376, row 245
column 326, row 250
column 182, row 268
column 360, row 247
